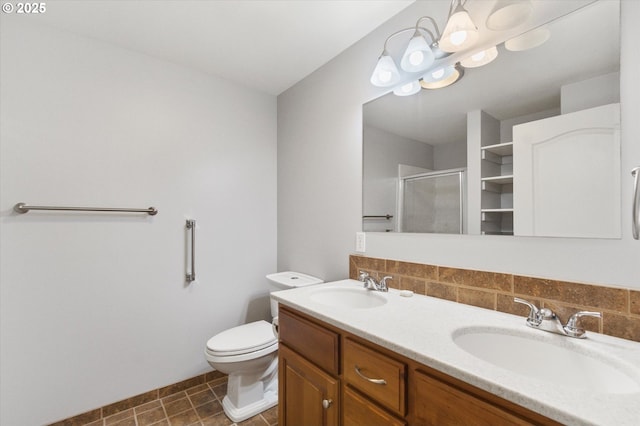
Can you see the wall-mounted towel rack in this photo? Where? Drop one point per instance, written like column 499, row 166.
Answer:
column 191, row 227
column 386, row 216
column 635, row 208
column 24, row 208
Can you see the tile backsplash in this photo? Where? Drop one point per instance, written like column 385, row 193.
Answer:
column 620, row 307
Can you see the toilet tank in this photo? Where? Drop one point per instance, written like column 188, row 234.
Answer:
column 285, row 280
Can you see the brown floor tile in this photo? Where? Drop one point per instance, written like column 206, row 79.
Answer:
column 209, row 409
column 220, row 390
column 164, row 422
column 202, row 397
column 185, row 418
column 197, row 389
column 148, row 406
column 217, row 420
column 254, row 421
column 174, row 397
column 117, row 418
column 150, row 417
column 96, row 423
column 179, row 406
column 271, row 415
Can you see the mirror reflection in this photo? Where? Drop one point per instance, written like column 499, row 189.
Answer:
column 442, row 161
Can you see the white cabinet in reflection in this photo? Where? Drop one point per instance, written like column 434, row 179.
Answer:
column 566, row 179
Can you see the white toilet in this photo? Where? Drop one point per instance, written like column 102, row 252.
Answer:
column 248, row 354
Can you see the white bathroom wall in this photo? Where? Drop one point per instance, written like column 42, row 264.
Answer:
column 319, row 177
column 94, row 307
column 386, row 151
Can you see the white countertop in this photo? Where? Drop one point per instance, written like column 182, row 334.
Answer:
column 422, row 328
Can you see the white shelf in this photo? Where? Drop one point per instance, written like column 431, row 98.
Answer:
column 499, row 179
column 501, row 149
column 510, row 210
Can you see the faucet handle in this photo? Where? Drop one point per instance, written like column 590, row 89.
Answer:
column 572, row 329
column 363, row 276
column 534, row 317
column 383, row 282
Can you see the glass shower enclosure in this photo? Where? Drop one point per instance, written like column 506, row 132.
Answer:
column 432, row 202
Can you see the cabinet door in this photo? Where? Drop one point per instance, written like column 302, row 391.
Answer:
column 566, row 175
column 308, row 395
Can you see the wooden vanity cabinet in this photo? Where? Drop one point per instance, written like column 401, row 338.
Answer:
column 328, row 376
column 439, row 399
column 308, row 395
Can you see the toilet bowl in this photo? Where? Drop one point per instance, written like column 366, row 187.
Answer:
column 248, row 354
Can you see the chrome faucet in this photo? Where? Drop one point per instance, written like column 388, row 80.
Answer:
column 545, row 319
column 370, row 283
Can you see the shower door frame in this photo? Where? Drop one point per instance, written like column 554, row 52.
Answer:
column 462, row 174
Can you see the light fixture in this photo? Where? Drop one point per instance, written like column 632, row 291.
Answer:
column 528, row 40
column 480, row 58
column 427, row 49
column 509, row 14
column 460, row 32
column 418, row 56
column 408, row 89
column 442, row 77
column 385, row 73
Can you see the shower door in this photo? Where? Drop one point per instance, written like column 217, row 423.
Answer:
column 432, row 202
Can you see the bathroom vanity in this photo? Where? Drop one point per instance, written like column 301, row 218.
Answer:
column 353, row 356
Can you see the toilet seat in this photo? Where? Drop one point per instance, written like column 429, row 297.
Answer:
column 244, row 339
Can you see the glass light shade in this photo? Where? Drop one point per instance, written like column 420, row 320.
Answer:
column 408, row 89
column 528, row 40
column 418, row 56
column 509, row 14
column 481, row 58
column 460, row 32
column 386, row 72
column 441, row 77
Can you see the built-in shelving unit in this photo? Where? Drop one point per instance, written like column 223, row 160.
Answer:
column 497, row 189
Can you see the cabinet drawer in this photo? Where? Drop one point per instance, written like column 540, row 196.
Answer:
column 376, row 375
column 312, row 341
column 360, row 411
column 438, row 403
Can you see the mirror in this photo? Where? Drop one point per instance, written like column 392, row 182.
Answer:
column 428, row 160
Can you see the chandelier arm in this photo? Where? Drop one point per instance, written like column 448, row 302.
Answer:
column 404, row 30
column 435, row 25
column 433, row 39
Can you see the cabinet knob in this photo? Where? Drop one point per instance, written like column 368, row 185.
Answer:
column 326, row 403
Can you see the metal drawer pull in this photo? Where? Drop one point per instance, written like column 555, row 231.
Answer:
column 326, row 403
column 376, row 381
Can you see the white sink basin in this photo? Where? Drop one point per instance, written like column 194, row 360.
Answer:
column 348, row 297
column 556, row 360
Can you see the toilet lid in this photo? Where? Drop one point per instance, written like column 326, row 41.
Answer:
column 242, row 339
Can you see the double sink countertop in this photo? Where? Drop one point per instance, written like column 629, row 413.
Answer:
column 433, row 332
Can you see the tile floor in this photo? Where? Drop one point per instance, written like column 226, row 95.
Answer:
column 200, row 405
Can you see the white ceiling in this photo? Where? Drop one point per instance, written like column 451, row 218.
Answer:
column 268, row 45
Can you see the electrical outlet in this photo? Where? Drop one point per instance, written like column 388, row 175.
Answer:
column 360, row 242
